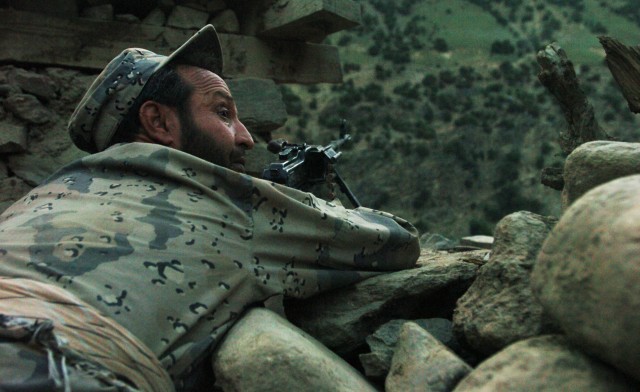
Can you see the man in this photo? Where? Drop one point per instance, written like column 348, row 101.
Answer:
column 125, row 268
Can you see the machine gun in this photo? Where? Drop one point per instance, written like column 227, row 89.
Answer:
column 302, row 166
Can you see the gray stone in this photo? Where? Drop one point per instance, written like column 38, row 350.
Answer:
column 545, row 363
column 60, row 8
column 187, row 18
column 166, row 5
column 226, row 22
column 28, row 108
column 156, row 18
column 8, row 89
column 343, row 318
column 127, row 18
column 499, row 307
column 588, row 273
column 36, row 84
column 422, row 363
column 72, row 87
column 46, row 154
column 13, row 138
column 383, row 341
column 436, row 241
column 477, row 241
column 215, row 5
column 264, row 352
column 98, row 12
column 595, row 163
column 259, row 102
column 258, row 158
column 13, row 189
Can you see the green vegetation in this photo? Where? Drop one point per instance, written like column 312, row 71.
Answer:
column 451, row 125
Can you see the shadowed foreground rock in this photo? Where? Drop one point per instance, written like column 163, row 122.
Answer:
column 422, row 363
column 342, row 319
column 383, row 341
column 544, row 363
column 499, row 308
column 588, row 273
column 264, row 352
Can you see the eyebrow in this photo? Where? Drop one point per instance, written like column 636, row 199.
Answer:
column 224, row 95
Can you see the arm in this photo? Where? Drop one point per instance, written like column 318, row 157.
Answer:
column 323, row 245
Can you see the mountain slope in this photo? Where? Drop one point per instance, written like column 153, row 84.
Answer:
column 451, row 126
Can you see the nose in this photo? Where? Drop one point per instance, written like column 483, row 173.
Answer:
column 243, row 137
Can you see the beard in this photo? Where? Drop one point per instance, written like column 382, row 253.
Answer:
column 199, row 143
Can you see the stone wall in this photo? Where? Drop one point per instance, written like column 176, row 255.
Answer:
column 41, row 82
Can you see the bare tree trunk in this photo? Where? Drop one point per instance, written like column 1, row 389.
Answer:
column 559, row 77
column 624, row 63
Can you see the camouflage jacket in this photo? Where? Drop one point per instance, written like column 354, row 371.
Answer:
column 174, row 248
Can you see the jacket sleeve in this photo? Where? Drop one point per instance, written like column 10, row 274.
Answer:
column 331, row 244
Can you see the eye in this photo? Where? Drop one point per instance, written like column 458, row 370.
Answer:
column 225, row 114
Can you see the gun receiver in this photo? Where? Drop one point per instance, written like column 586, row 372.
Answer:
column 301, row 166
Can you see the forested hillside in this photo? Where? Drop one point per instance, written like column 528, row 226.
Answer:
column 451, row 126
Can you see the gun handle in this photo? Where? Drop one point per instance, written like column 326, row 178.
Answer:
column 345, row 189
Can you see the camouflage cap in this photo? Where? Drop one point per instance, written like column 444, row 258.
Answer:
column 104, row 105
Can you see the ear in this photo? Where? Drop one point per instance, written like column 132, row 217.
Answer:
column 160, row 124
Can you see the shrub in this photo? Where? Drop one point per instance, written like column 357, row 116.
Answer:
column 440, row 45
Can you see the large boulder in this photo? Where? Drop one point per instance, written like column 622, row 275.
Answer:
column 588, row 273
column 499, row 308
column 544, row 363
column 264, row 352
column 343, row 318
column 595, row 163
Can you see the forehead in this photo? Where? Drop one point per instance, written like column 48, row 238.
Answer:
column 204, row 81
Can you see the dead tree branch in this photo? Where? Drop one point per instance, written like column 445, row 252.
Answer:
column 624, row 63
column 559, row 77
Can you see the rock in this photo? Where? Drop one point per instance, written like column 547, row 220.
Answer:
column 72, row 87
column 36, row 84
column 595, row 163
column 59, row 8
column 47, row 153
column 28, row 108
column 259, row 102
column 98, row 12
column 13, row 188
column 166, row 5
column 264, row 352
column 422, row 363
column 588, row 273
column 258, row 158
column 477, row 241
column 545, row 363
column 436, row 241
column 187, row 18
column 499, row 307
column 156, row 18
column 383, row 341
column 226, row 22
column 8, row 89
column 215, row 5
column 126, row 18
column 343, row 318
column 13, row 138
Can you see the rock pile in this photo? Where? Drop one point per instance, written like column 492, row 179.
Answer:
column 556, row 306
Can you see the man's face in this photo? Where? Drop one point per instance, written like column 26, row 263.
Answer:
column 210, row 128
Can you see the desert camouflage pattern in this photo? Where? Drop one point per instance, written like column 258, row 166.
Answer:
column 64, row 344
column 174, row 248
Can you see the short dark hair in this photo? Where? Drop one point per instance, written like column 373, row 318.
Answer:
column 166, row 87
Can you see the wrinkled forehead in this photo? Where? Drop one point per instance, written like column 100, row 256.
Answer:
column 204, row 81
